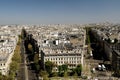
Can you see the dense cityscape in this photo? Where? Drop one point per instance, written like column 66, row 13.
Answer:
column 59, row 39
column 55, row 52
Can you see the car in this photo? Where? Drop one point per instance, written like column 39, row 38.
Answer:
column 101, row 67
column 93, row 70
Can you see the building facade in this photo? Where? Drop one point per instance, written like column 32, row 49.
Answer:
column 71, row 59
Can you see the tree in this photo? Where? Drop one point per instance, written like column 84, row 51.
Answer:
column 53, row 74
column 87, row 35
column 65, row 74
column 23, row 33
column 4, row 78
column 44, row 74
column 16, row 57
column 78, row 69
column 36, row 58
column 1, row 76
column 37, row 67
column 36, row 62
column 59, row 69
column 30, row 48
column 65, row 67
column 73, row 72
column 49, row 66
column 11, row 76
column 62, row 70
column 108, row 40
column 75, row 75
column 115, row 40
column 13, row 66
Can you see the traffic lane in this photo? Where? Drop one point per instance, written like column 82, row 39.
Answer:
column 31, row 73
column 21, row 75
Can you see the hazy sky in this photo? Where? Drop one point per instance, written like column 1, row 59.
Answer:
column 58, row 11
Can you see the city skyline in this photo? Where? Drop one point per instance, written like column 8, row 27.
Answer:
column 58, row 11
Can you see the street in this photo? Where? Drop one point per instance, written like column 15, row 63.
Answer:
column 25, row 73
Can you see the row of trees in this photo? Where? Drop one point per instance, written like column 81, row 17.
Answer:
column 32, row 50
column 63, row 70
column 16, row 60
column 87, row 35
column 14, row 65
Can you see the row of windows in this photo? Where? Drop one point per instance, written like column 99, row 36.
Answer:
column 2, row 64
column 73, row 58
column 67, row 62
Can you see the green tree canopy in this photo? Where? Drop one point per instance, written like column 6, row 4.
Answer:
column 49, row 66
column 65, row 67
column 44, row 74
column 16, row 57
column 60, row 69
column 23, row 33
column 30, row 48
column 14, row 66
column 78, row 69
column 36, row 58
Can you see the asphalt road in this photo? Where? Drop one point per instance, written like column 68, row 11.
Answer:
column 25, row 72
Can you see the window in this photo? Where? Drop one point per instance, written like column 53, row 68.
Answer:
column 74, row 58
column 78, row 61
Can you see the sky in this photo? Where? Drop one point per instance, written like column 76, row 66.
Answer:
column 59, row 11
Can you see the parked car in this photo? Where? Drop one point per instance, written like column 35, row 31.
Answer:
column 101, row 67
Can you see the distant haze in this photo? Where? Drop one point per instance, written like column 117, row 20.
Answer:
column 59, row 11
